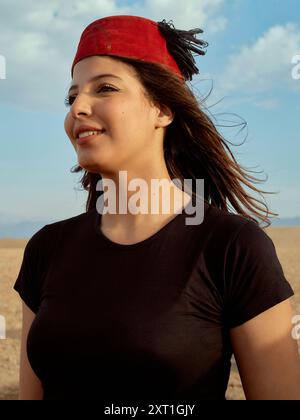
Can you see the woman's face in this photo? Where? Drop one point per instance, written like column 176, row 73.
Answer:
column 117, row 105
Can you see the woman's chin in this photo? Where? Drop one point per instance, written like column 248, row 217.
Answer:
column 94, row 166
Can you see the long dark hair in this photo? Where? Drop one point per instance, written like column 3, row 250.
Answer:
column 193, row 148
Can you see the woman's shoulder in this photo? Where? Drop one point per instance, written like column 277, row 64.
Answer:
column 227, row 238
column 49, row 234
column 224, row 227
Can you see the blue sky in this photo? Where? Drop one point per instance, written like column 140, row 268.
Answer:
column 248, row 61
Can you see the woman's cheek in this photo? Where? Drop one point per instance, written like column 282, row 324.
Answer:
column 69, row 128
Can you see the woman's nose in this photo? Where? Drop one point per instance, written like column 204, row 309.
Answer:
column 81, row 106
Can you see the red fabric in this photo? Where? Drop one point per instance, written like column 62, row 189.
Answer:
column 127, row 36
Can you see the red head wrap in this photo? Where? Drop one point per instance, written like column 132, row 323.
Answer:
column 126, row 36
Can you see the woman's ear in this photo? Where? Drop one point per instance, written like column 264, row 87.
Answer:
column 165, row 116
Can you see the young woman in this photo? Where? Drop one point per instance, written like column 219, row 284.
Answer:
column 143, row 307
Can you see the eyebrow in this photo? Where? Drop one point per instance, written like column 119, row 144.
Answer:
column 95, row 78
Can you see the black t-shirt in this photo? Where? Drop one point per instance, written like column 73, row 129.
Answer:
column 148, row 321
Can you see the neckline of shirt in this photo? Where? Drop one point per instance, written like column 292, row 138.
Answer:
column 144, row 242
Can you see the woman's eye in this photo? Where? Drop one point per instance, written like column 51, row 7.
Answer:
column 105, row 86
column 69, row 100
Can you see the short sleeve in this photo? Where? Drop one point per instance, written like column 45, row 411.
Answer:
column 254, row 278
column 28, row 281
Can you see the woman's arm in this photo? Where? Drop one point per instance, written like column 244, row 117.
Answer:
column 267, row 356
column 30, row 387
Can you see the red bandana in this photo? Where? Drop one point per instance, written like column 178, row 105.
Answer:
column 126, row 36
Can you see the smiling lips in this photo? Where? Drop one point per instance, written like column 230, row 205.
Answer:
column 89, row 133
column 85, row 128
column 85, row 136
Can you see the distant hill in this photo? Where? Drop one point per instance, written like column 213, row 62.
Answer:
column 286, row 221
column 25, row 229
column 22, row 229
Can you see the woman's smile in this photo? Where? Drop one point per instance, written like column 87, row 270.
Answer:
column 87, row 136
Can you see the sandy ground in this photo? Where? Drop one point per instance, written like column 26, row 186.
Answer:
column 287, row 243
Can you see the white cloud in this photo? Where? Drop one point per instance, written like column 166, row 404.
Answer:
column 259, row 74
column 186, row 15
column 265, row 64
column 39, row 40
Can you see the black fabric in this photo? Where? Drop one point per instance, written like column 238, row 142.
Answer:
column 148, row 321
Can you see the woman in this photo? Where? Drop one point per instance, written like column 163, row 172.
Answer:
column 142, row 307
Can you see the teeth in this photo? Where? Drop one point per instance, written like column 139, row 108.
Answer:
column 88, row 133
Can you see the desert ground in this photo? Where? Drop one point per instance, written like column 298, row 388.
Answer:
column 287, row 244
